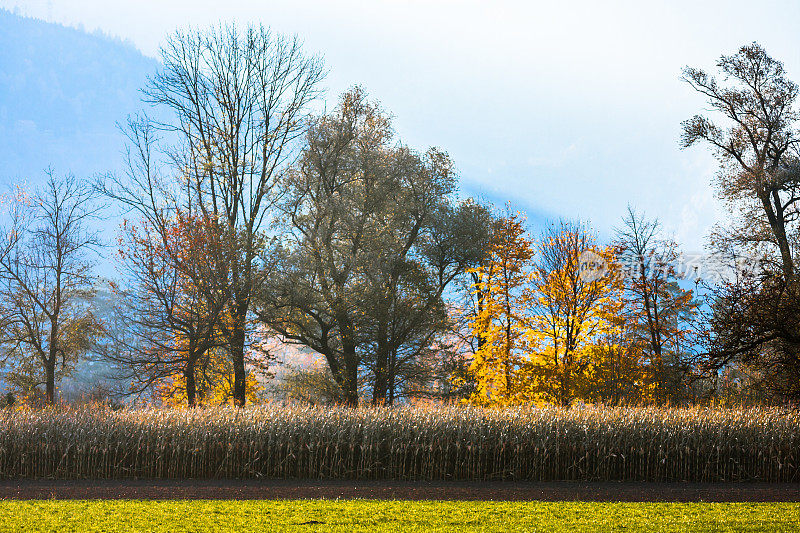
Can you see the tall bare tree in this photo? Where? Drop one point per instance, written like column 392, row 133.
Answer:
column 46, row 283
column 659, row 316
column 239, row 101
column 756, row 317
column 756, row 145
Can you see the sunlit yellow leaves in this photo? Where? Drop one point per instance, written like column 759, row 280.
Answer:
column 542, row 324
column 500, row 324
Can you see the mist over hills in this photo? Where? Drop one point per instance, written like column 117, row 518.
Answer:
column 62, row 91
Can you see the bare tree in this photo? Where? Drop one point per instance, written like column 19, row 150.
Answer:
column 757, row 145
column 174, row 265
column 46, row 283
column 239, row 100
column 659, row 316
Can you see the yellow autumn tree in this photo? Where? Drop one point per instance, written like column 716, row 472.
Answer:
column 576, row 302
column 213, row 376
column 500, row 323
column 616, row 373
column 615, row 368
column 560, row 320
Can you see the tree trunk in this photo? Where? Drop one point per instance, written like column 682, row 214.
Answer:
column 350, row 385
column 50, row 364
column 191, row 386
column 392, row 377
column 350, row 360
column 566, row 370
column 380, row 388
column 345, row 373
column 776, row 218
column 50, row 384
column 237, row 358
column 480, row 301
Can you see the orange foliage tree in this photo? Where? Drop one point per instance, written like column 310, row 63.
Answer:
column 175, row 303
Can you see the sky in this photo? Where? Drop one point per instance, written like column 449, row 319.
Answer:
column 565, row 109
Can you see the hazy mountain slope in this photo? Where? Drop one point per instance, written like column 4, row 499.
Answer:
column 61, row 92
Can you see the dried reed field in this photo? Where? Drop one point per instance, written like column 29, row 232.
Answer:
column 408, row 443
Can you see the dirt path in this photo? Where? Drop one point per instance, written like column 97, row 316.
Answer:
column 289, row 489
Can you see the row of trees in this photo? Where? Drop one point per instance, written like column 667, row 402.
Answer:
column 748, row 327
column 248, row 217
column 560, row 318
column 251, row 218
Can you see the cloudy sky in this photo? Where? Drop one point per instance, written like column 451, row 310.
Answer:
column 564, row 108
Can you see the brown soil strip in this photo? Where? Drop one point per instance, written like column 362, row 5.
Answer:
column 398, row 490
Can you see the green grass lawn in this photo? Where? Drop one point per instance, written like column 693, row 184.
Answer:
column 405, row 516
